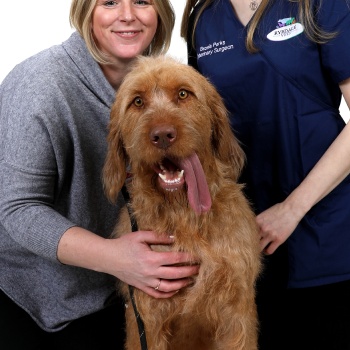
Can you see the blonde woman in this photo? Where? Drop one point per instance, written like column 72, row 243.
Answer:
column 58, row 268
column 282, row 67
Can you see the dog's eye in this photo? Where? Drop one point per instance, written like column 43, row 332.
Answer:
column 138, row 102
column 183, row 94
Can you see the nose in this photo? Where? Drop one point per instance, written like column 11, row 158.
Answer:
column 163, row 136
column 126, row 12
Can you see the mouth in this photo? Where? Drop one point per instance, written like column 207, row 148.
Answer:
column 170, row 177
column 128, row 33
column 174, row 174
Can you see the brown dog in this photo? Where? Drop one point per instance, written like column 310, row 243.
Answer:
column 169, row 125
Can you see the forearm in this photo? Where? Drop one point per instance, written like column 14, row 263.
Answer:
column 129, row 258
column 82, row 248
column 331, row 169
column 279, row 221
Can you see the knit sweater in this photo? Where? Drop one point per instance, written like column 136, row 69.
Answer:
column 54, row 112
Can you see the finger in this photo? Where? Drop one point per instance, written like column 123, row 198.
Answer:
column 270, row 249
column 177, row 272
column 151, row 237
column 264, row 243
column 159, row 295
column 169, row 286
column 176, row 258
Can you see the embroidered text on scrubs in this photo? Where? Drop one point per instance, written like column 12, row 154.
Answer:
column 215, row 47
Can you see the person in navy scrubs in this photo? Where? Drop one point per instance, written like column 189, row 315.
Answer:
column 282, row 68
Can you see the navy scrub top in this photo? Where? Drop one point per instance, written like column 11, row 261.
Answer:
column 284, row 106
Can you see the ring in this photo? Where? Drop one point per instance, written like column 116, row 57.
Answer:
column 157, row 288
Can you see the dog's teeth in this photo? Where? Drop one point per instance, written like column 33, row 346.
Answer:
column 161, row 167
column 173, row 181
column 163, row 177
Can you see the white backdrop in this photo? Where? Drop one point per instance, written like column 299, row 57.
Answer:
column 29, row 26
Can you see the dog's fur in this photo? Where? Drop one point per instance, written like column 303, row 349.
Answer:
column 161, row 96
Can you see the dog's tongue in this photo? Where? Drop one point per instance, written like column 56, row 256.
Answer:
column 197, row 187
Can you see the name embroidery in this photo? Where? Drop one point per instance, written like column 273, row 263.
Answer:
column 214, row 48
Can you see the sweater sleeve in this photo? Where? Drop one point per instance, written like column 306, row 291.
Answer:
column 54, row 114
column 29, row 176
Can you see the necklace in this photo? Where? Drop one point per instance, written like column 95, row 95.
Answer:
column 253, row 5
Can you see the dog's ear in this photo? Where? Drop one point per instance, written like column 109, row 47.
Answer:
column 224, row 142
column 114, row 170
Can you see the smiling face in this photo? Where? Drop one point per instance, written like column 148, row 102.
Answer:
column 123, row 29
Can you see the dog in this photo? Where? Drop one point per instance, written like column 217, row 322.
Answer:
column 169, row 128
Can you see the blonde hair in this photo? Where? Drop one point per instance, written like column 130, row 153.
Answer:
column 312, row 30
column 80, row 18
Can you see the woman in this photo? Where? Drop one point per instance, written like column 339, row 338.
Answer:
column 57, row 268
column 282, row 67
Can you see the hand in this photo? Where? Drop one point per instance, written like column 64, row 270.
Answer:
column 152, row 272
column 276, row 225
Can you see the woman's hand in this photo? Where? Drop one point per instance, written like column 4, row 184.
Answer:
column 276, row 225
column 130, row 259
column 152, row 272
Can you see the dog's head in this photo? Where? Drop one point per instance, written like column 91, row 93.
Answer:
column 169, row 121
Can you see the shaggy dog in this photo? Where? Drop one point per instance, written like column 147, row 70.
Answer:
column 170, row 130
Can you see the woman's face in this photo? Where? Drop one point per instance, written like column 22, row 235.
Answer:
column 124, row 29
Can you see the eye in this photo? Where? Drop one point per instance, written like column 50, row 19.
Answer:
column 140, row 2
column 183, row 94
column 138, row 101
column 109, row 3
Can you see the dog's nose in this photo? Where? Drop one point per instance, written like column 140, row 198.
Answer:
column 163, row 136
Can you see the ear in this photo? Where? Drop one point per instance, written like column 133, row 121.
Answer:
column 224, row 141
column 114, row 170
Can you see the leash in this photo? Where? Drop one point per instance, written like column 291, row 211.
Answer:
column 134, row 228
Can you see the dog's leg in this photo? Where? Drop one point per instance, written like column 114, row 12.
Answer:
column 243, row 334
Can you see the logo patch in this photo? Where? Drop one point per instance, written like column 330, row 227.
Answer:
column 286, row 28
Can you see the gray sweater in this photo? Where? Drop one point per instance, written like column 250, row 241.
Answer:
column 54, row 111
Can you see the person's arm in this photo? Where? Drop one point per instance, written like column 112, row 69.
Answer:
column 278, row 222
column 129, row 258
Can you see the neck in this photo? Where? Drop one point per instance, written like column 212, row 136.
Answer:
column 253, row 5
column 116, row 72
column 245, row 9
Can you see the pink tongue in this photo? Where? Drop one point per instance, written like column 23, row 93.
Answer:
column 198, row 191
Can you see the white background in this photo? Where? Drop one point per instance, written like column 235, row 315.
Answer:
column 29, row 26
